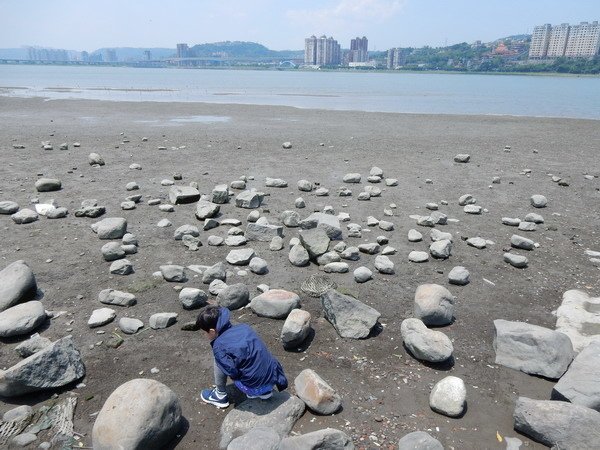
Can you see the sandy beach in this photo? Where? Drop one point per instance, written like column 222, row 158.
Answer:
column 385, row 391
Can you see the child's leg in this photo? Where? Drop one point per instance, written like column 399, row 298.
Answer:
column 220, row 379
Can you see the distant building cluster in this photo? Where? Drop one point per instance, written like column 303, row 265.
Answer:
column 570, row 41
column 322, row 51
column 396, row 57
column 359, row 50
column 47, row 54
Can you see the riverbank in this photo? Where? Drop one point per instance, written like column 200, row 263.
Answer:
column 384, row 390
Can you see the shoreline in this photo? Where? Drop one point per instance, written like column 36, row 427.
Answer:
column 264, row 105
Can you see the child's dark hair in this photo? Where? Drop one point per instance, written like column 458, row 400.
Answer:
column 208, row 317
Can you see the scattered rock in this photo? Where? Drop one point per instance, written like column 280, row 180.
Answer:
column 267, row 438
column 441, row 249
column 32, row 345
column 384, row 265
column 434, row 305
column 95, row 159
column 21, row 319
column 234, row 296
column 192, row 298
column 151, row 411
column 532, row 349
column 578, row 318
column 477, row 242
column 187, row 229
column 538, row 201
column 206, row 210
column 459, row 276
column 114, row 297
column 425, row 344
column 173, row 273
column 419, row 440
column 275, row 182
column 240, row 257
column 580, row 385
column 350, row 317
column 336, row 267
column 299, row 256
column 418, row 256
column 179, row 195
column 262, row 232
column 130, row 326
column 414, row 236
column 316, row 393
column 328, row 438
column 515, row 260
column 17, row 284
column 48, row 185
column 111, row 251
column 162, row 320
column 449, row 397
column 362, row 274
column 215, row 272
column 101, row 316
column 249, row 199
column 24, row 216
column 110, row 228
column 462, row 158
column 296, row 328
column 275, row 303
column 8, row 207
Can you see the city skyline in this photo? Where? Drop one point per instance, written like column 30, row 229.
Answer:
column 279, row 25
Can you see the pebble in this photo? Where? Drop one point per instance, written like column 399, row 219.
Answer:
column 164, row 223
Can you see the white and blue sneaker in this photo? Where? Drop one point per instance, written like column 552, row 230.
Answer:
column 214, row 397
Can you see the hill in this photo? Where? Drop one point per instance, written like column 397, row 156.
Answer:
column 242, row 49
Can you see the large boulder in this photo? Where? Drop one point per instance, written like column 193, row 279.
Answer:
column 206, row 210
column 350, row 317
column 296, row 328
column 578, row 318
column 318, row 395
column 56, row 365
column 560, row 425
column 328, row 438
column 327, row 222
column 275, row 303
column 21, row 319
column 581, row 383
column 532, row 349
column 434, row 304
column 141, row 414
column 234, row 296
column 425, row 344
column 280, row 413
column 17, row 284
column 110, row 228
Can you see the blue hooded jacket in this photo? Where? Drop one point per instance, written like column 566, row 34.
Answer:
column 244, row 357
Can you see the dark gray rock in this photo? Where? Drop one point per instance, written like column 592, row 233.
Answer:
column 581, row 383
column 326, row 439
column 54, row 366
column 532, row 349
column 206, row 210
column 280, row 413
column 249, row 199
column 315, row 241
column 214, row 272
column 234, row 296
column 559, row 425
column 350, row 317
column 259, row 438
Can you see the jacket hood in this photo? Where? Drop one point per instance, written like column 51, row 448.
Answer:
column 223, row 322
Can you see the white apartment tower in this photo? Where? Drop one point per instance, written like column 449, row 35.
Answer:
column 558, row 41
column 322, row 51
column 584, row 40
column 310, row 50
column 571, row 41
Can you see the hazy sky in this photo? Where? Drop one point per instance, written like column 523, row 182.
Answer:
column 278, row 24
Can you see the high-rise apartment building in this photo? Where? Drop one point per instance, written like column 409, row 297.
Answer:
column 584, row 40
column 359, row 50
column 183, row 51
column 396, row 57
column 322, row 51
column 566, row 40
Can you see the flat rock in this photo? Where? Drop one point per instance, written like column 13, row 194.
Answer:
column 511, row 221
column 371, row 248
column 350, row 317
column 419, row 440
column 55, row 366
column 425, row 344
column 8, row 207
column 114, row 297
column 315, row 241
column 299, row 256
column 17, row 413
column 21, row 319
column 437, row 235
column 560, row 425
column 264, row 438
column 518, row 261
column 129, row 325
column 17, row 284
column 418, row 256
column 472, row 209
column 32, row 345
column 434, row 305
column 580, row 385
column 327, row 222
column 101, row 316
column 296, row 328
column 110, row 228
column 275, row 303
column 150, row 410
column 521, row 242
column 578, row 318
column 48, row 185
column 183, row 230
column 280, row 413
column 24, row 216
column 214, row 272
column 449, row 397
column 234, row 296
column 179, row 195
column 275, row 182
column 240, row 257
column 336, row 267
column 477, row 242
column 316, row 393
column 532, row 349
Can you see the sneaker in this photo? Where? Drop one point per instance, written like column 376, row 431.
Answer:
column 214, row 398
column 262, row 397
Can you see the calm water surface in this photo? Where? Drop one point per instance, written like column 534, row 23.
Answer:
column 544, row 96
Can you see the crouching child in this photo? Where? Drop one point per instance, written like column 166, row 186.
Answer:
column 241, row 355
